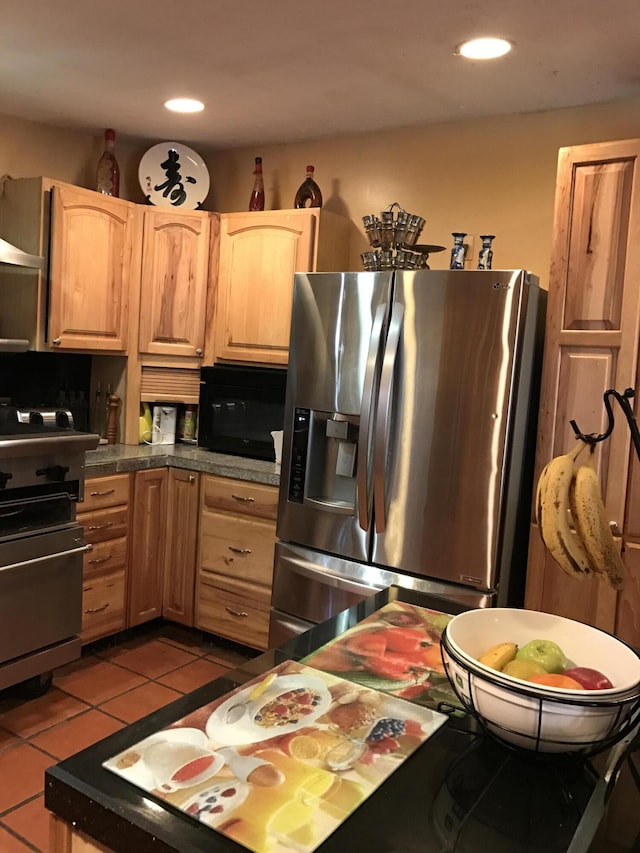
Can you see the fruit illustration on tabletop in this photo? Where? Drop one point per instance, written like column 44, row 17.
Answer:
column 590, row 679
column 545, row 652
column 497, row 657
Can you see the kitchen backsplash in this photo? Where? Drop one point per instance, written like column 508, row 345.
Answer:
column 44, row 379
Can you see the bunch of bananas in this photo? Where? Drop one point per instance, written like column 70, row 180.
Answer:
column 566, row 493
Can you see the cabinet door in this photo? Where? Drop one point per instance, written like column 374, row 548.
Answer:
column 591, row 345
column 181, row 544
column 259, row 255
column 174, row 282
column 147, row 545
column 93, row 241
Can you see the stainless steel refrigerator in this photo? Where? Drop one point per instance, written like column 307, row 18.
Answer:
column 409, row 434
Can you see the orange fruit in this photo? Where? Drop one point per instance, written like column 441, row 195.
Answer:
column 553, row 679
column 302, row 747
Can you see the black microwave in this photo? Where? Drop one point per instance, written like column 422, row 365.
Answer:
column 239, row 409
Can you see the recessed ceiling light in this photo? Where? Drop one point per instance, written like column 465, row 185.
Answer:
column 184, row 105
column 484, row 48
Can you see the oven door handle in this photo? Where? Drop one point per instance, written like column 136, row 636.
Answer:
column 44, row 559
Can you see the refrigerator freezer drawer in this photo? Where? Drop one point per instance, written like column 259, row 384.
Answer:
column 314, row 586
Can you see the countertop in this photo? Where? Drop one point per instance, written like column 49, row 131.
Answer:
column 121, row 458
column 460, row 792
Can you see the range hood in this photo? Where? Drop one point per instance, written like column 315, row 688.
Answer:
column 11, row 256
column 16, row 259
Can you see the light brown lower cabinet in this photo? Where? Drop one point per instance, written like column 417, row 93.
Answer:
column 179, row 582
column 146, row 562
column 235, row 562
column 104, row 516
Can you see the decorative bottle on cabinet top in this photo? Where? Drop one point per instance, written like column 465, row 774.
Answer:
column 308, row 191
column 256, row 202
column 108, row 172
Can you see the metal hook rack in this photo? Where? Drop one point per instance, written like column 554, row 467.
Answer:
column 623, row 399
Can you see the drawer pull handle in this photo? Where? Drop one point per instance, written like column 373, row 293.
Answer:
column 242, row 499
column 96, row 609
column 102, row 494
column 100, row 526
column 239, row 550
column 97, row 560
column 236, row 612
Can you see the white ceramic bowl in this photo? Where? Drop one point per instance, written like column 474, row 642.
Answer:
column 535, row 716
column 474, row 632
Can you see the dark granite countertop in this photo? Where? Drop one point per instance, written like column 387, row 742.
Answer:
column 461, row 791
column 121, row 458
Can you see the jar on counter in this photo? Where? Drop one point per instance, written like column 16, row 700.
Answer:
column 187, row 426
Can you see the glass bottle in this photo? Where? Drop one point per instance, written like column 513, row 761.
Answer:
column 308, row 191
column 256, row 202
column 108, row 172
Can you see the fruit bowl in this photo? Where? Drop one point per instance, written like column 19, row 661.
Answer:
column 535, row 716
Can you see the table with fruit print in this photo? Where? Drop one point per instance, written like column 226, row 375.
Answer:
column 457, row 790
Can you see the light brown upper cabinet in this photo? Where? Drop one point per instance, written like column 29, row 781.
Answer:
column 173, row 289
column 93, row 258
column 259, row 255
column 91, row 246
column 591, row 345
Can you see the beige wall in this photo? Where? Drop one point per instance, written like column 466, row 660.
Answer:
column 485, row 176
column 493, row 176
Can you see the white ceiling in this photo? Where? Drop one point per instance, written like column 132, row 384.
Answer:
column 289, row 70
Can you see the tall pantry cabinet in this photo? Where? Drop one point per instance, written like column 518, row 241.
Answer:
column 591, row 346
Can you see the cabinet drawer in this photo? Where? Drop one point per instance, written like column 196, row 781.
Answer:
column 240, row 548
column 101, row 492
column 239, row 497
column 106, row 556
column 105, row 524
column 103, row 605
column 235, row 610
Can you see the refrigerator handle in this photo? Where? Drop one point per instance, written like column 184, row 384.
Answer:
column 366, row 416
column 383, row 415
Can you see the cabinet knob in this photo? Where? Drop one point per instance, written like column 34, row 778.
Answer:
column 613, row 526
column 199, row 351
column 192, row 478
column 56, row 342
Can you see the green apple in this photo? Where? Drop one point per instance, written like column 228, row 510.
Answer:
column 545, row 652
column 523, row 669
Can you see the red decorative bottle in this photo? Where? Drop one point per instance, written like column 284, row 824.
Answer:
column 256, row 202
column 108, row 172
column 308, row 191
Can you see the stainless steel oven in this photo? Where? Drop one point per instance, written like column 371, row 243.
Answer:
column 41, row 545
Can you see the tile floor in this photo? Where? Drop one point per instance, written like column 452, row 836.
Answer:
column 109, row 687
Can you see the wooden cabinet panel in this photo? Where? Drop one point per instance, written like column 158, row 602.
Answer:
column 147, row 546
column 106, row 491
column 103, row 600
column 94, row 239
column 259, row 255
column 181, row 546
column 233, row 609
column 628, row 617
column 591, row 345
column 175, row 258
column 237, row 496
column 597, row 242
column 238, row 548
